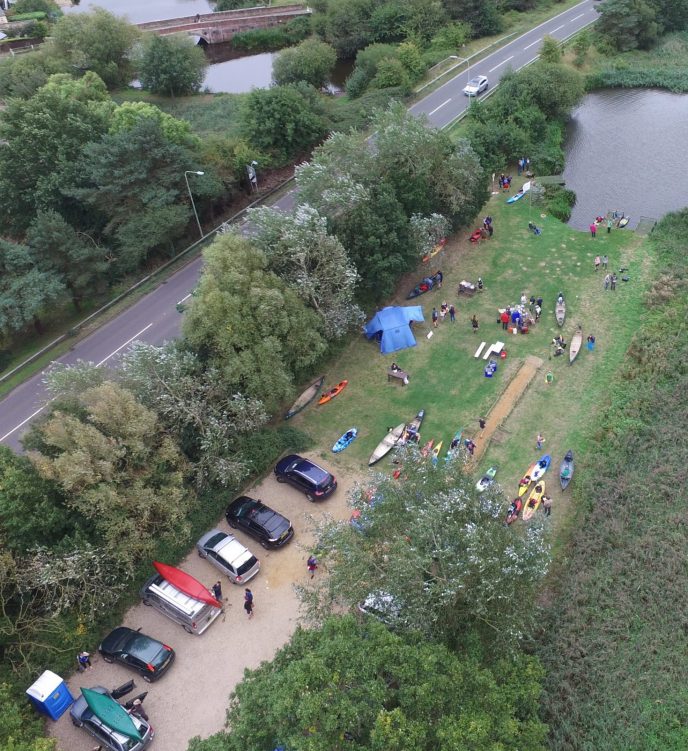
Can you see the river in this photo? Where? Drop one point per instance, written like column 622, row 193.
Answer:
column 138, row 11
column 624, row 150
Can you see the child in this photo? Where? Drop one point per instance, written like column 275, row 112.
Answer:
column 312, row 565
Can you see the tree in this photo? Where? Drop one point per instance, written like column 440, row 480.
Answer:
column 482, row 15
column 97, row 41
column 32, row 6
column 116, row 467
column 249, row 324
column 21, row 728
column 391, row 73
column 172, row 65
column 22, row 75
column 302, row 253
column 452, row 37
column 357, row 685
column 628, row 24
column 176, row 131
column 311, row 61
column 550, row 52
column 427, row 231
column 134, row 179
column 282, row 120
column 207, row 419
column 441, row 551
column 26, row 292
column 75, row 259
column 45, row 136
column 410, row 57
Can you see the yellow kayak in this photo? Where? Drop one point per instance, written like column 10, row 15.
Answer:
column 534, row 500
column 524, row 483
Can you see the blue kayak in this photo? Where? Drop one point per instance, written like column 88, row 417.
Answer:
column 520, row 194
column 345, row 440
column 541, row 467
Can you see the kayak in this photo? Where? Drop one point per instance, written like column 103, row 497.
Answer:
column 111, row 713
column 486, row 480
column 386, row 444
column 425, row 285
column 525, row 481
column 435, row 250
column 534, row 500
column 560, row 310
column 541, row 467
column 623, row 222
column 186, row 583
column 436, row 452
column 566, row 470
column 345, row 440
column 306, row 398
column 514, row 510
column 328, row 395
column 412, row 429
column 427, row 448
column 575, row 346
column 456, row 443
column 520, row 194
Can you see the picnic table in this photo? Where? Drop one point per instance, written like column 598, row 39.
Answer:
column 466, row 288
column 402, row 375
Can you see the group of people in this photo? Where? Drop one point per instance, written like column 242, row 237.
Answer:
column 505, row 182
column 521, row 316
column 523, row 165
column 445, row 309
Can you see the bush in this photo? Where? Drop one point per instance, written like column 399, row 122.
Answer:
column 287, row 35
column 559, row 201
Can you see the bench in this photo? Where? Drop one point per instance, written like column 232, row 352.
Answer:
column 494, row 349
column 479, row 350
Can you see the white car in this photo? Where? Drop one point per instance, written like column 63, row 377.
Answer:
column 476, row 86
column 229, row 555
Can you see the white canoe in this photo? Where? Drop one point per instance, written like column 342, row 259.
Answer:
column 386, row 444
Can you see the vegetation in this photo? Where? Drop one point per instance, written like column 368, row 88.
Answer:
column 638, row 24
column 619, row 609
column 285, row 35
column 311, row 61
column 172, row 65
column 359, row 685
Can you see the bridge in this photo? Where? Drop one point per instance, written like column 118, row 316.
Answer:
column 213, row 28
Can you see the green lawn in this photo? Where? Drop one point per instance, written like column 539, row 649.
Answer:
column 449, row 383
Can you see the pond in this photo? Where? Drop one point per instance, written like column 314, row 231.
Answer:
column 625, row 150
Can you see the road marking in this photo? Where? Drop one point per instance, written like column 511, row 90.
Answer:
column 184, row 299
column 532, row 60
column 500, row 64
column 440, row 107
column 576, row 18
column 533, row 44
column 557, row 29
column 23, row 422
column 105, row 359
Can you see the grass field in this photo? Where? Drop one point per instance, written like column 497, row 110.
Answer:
column 449, row 383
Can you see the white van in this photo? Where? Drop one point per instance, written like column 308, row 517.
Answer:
column 193, row 615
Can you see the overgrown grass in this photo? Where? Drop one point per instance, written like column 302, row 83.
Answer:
column 615, row 641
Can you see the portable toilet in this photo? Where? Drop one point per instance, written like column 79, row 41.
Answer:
column 50, row 695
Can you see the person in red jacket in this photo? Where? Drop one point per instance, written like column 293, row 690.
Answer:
column 504, row 318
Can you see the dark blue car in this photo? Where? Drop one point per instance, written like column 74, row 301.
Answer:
column 314, row 481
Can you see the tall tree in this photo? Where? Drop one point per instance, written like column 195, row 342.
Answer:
column 249, row 324
column 481, row 15
column 97, row 41
column 311, row 61
column 314, row 263
column 629, row 24
column 357, row 685
column 172, row 65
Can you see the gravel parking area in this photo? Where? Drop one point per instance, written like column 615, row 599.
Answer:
column 192, row 698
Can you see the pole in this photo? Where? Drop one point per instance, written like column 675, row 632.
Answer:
column 193, row 204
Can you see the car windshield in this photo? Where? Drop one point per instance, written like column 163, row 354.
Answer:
column 474, row 82
column 312, row 472
column 148, row 650
column 247, row 565
column 215, row 539
column 246, row 508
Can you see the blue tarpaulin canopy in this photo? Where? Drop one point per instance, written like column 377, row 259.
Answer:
column 392, row 326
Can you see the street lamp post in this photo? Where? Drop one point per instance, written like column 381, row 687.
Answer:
column 193, row 205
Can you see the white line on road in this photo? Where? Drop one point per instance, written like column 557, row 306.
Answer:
column 440, row 107
column 533, row 44
column 184, row 299
column 105, row 359
column 576, row 18
column 23, row 422
column 532, row 60
column 500, row 64
column 557, row 29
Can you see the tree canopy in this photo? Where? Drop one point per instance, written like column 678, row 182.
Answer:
column 172, row 65
column 311, row 61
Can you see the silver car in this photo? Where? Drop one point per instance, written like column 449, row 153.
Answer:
column 229, row 555
column 476, row 86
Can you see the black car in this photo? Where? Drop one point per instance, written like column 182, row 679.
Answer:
column 316, row 482
column 137, row 651
column 272, row 530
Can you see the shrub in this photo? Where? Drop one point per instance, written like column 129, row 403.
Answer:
column 287, row 35
column 559, row 201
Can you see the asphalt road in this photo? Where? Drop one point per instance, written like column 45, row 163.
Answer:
column 155, row 319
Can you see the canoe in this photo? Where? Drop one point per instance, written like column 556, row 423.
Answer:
column 566, row 470
column 575, row 346
column 456, row 442
column 623, row 222
column 541, row 467
column 534, row 500
column 386, row 444
column 306, row 398
column 435, row 250
column 514, row 510
column 523, row 485
column 413, row 428
column 520, row 194
column 328, row 395
column 345, row 440
column 185, row 583
column 486, row 480
column 560, row 309
column 427, row 448
column 436, row 452
column 111, row 713
column 425, row 285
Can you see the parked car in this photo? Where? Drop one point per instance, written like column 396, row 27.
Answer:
column 149, row 657
column 476, row 86
column 272, row 530
column 306, row 476
column 229, row 555
column 107, row 737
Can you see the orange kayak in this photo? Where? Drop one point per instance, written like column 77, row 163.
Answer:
column 328, row 395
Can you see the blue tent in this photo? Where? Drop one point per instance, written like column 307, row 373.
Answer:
column 392, row 326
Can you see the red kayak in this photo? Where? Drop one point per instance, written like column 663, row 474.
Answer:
column 186, row 583
column 332, row 392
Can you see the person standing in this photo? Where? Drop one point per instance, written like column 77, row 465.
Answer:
column 444, row 309
column 435, row 317
column 482, row 423
column 547, row 505
column 539, row 441
column 607, row 280
column 609, row 226
column 474, row 323
column 613, row 281
column 504, row 318
column 452, row 314
column 605, row 261
column 440, row 278
column 597, row 263
column 520, row 165
column 312, row 565
column 248, row 602
column 591, row 343
column 593, row 230
column 217, row 591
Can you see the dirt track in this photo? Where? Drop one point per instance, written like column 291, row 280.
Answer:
column 192, row 698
